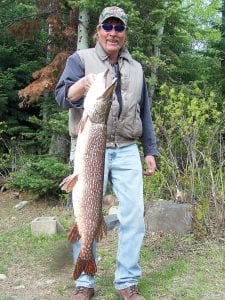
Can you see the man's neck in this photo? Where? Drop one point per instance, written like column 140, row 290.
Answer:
column 113, row 59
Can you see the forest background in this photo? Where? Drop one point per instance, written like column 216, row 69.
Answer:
column 181, row 47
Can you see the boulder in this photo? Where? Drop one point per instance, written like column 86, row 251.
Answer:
column 168, row 217
column 112, row 222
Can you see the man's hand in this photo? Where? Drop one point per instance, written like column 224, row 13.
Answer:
column 151, row 165
column 87, row 81
column 81, row 87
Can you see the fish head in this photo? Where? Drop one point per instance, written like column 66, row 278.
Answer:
column 98, row 101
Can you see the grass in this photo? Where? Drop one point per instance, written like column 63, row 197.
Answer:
column 207, row 280
column 165, row 276
column 21, row 248
column 173, row 267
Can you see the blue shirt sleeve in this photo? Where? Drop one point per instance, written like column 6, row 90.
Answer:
column 74, row 70
column 148, row 138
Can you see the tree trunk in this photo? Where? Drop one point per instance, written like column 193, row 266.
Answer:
column 75, row 114
column 154, row 69
column 59, row 146
column 82, row 39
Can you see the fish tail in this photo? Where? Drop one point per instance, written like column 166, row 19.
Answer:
column 87, row 266
column 102, row 229
column 74, row 234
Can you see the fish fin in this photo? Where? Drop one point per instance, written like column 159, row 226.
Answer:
column 68, row 183
column 102, row 229
column 87, row 266
column 74, row 234
column 82, row 123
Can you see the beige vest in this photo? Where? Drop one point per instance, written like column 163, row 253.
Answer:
column 128, row 127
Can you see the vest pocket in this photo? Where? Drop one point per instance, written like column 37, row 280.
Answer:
column 131, row 126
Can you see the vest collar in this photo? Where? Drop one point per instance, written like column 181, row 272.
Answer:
column 124, row 53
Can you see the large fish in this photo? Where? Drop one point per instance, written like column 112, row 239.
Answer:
column 86, row 182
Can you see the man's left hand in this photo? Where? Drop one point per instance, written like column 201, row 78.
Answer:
column 151, row 165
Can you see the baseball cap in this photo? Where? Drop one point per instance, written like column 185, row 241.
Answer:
column 113, row 12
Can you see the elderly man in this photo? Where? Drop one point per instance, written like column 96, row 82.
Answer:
column 129, row 120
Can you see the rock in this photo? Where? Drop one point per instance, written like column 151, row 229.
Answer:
column 16, row 195
column 113, row 210
column 19, row 287
column 169, row 217
column 2, row 189
column 99, row 259
column 2, row 181
column 21, row 205
column 60, row 228
column 50, row 281
column 3, row 277
column 110, row 200
column 112, row 222
column 181, row 196
column 46, row 226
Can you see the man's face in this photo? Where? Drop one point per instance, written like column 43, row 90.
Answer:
column 111, row 40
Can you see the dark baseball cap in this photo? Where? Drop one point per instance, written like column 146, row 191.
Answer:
column 113, row 12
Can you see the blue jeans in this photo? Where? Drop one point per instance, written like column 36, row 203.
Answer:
column 124, row 170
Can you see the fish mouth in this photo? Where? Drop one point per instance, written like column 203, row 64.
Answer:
column 109, row 90
column 106, row 74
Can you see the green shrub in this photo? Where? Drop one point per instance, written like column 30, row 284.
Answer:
column 41, row 175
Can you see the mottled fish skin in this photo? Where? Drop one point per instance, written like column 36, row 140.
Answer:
column 88, row 174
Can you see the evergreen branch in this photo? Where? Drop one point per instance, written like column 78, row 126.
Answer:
column 43, row 15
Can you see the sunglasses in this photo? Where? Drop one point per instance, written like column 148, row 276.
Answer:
column 108, row 27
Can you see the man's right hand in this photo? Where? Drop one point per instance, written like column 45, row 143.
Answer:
column 81, row 87
column 87, row 81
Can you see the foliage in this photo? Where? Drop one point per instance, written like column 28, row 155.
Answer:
column 155, row 186
column 40, row 175
column 45, row 80
column 189, row 126
column 18, row 61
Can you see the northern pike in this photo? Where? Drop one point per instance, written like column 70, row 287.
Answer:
column 86, row 182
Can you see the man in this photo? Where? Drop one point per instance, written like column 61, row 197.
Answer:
column 129, row 120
